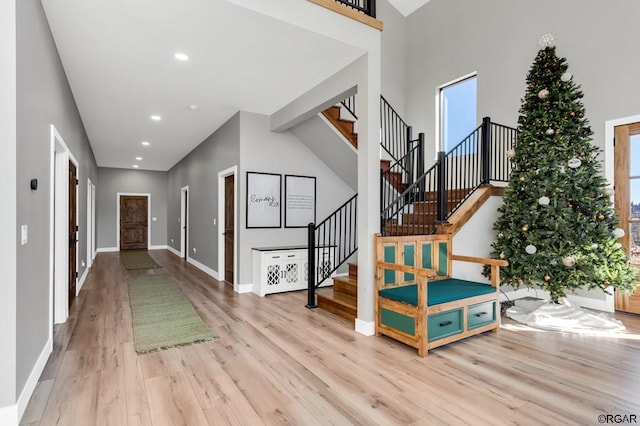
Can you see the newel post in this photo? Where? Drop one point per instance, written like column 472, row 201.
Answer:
column 311, row 262
column 485, row 148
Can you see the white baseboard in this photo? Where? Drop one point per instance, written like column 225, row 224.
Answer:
column 82, row 280
column 243, row 288
column 585, row 302
column 107, row 249
column 368, row 328
column 203, row 268
column 9, row 415
column 32, row 381
column 174, row 251
column 160, row 247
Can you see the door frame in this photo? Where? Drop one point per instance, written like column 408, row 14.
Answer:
column 59, row 229
column 135, row 194
column 609, row 172
column 184, row 217
column 91, row 223
column 221, row 201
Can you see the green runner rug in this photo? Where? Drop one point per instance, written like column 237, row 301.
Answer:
column 137, row 259
column 162, row 316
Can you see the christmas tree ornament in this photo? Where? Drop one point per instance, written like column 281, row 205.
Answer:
column 608, row 191
column 511, row 153
column 500, row 235
column 600, row 216
column 543, row 94
column 568, row 261
column 618, row 232
column 520, row 281
column 531, row 249
column 561, row 169
column 502, row 255
column 573, row 114
column 544, row 200
column 574, row 163
column 550, row 131
column 566, row 76
column 525, row 228
column 521, row 178
column 545, row 40
column 582, row 153
column 547, row 278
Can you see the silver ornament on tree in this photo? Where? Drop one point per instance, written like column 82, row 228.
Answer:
column 608, row 191
column 618, row 232
column 531, row 249
column 568, row 261
column 574, row 163
column 550, row 131
column 544, row 200
column 511, row 153
column 543, row 94
column 566, row 76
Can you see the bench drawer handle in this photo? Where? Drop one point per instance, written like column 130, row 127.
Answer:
column 445, row 323
column 481, row 314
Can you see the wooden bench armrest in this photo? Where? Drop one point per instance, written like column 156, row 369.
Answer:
column 483, row 260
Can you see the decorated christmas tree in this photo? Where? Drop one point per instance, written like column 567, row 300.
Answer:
column 557, row 226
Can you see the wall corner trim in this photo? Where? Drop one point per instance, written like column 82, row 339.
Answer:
column 82, row 279
column 174, row 251
column 107, row 249
column 368, row 328
column 32, row 381
column 243, row 288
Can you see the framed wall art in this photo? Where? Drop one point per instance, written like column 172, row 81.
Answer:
column 264, row 200
column 300, row 201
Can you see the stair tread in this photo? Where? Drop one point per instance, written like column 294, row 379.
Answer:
column 347, row 280
column 337, row 298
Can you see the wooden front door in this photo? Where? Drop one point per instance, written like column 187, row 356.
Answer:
column 73, row 232
column 627, row 203
column 133, row 222
column 229, row 227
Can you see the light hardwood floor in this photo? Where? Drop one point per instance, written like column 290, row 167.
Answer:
column 276, row 362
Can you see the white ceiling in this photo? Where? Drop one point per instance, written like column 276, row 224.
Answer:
column 118, row 56
column 407, row 7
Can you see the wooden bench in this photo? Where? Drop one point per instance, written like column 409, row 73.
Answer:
column 420, row 303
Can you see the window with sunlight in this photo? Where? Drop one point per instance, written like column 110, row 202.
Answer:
column 458, row 111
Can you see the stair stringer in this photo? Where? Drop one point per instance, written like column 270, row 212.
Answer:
column 328, row 144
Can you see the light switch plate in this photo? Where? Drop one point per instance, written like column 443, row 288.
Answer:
column 153, row 219
column 24, row 234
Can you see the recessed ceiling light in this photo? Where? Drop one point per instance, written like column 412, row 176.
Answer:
column 138, row 158
column 145, row 143
column 194, row 107
column 156, row 118
column 181, row 56
column 135, row 166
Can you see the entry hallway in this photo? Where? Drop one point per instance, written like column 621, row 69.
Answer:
column 276, row 362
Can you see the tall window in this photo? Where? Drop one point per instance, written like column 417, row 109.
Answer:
column 458, row 105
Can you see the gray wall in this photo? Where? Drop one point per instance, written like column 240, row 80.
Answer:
column 394, row 55
column 199, row 170
column 43, row 98
column 113, row 181
column 282, row 153
column 499, row 39
column 8, row 214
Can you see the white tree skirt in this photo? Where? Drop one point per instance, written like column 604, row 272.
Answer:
column 563, row 317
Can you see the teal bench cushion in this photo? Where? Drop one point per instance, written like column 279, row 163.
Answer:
column 441, row 291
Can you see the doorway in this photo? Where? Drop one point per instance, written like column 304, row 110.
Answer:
column 228, row 232
column 627, row 202
column 63, row 230
column 91, row 220
column 184, row 222
column 133, row 212
column 134, row 222
column 229, row 227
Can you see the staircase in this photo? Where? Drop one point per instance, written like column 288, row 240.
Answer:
column 413, row 201
column 342, row 298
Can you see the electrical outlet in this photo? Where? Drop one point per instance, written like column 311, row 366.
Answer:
column 24, row 231
column 214, row 221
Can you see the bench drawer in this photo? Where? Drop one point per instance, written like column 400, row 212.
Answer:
column 444, row 324
column 481, row 314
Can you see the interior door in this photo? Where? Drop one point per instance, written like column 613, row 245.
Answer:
column 229, row 227
column 185, row 225
column 627, row 203
column 133, row 222
column 73, row 232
